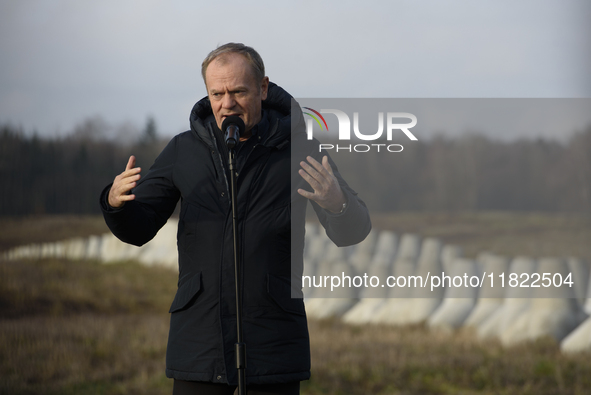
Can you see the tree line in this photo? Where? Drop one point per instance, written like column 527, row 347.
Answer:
column 473, row 172
column 66, row 175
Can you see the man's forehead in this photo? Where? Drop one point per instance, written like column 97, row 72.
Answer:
column 229, row 57
column 231, row 65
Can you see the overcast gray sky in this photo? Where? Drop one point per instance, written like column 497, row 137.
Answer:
column 62, row 61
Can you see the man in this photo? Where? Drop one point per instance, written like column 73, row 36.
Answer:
column 271, row 204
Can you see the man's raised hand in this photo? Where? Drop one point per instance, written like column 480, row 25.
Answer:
column 123, row 183
column 327, row 191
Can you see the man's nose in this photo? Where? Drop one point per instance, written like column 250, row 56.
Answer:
column 228, row 101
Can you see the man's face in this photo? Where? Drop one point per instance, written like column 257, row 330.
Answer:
column 233, row 89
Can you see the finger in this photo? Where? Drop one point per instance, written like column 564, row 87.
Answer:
column 320, row 167
column 123, row 186
column 128, row 187
column 306, row 194
column 135, row 176
column 130, row 163
column 326, row 165
column 126, row 198
column 312, row 171
column 126, row 176
column 315, row 163
column 131, row 173
column 310, row 180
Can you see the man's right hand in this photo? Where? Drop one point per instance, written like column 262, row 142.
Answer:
column 124, row 182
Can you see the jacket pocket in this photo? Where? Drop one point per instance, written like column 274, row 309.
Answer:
column 187, row 231
column 186, row 293
column 279, row 288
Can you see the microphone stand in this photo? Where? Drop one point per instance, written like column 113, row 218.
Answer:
column 240, row 346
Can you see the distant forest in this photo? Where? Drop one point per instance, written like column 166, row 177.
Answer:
column 65, row 175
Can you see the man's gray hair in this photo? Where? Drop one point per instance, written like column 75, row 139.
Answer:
column 249, row 53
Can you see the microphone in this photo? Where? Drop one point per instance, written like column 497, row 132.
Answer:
column 233, row 126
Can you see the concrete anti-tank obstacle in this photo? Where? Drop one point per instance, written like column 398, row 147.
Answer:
column 586, row 303
column 490, row 298
column 403, row 265
column 580, row 276
column 579, row 340
column 75, row 249
column 93, row 247
column 459, row 301
column 363, row 252
column 162, row 249
column 372, row 298
column 399, row 297
column 114, row 250
column 50, row 250
column 319, row 306
column 554, row 311
column 424, row 302
column 342, row 299
column 515, row 304
column 449, row 253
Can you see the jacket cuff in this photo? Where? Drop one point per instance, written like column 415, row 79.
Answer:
column 104, row 201
column 342, row 212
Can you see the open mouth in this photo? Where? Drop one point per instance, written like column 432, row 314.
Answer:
column 231, row 115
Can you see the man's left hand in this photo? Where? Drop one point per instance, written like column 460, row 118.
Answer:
column 327, row 191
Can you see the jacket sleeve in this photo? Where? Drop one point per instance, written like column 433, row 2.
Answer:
column 138, row 221
column 350, row 226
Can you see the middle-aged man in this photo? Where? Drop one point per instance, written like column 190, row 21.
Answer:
column 272, row 195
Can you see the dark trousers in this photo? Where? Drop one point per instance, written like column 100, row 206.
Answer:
column 202, row 388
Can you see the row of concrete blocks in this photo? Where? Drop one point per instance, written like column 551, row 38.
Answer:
column 162, row 250
column 510, row 314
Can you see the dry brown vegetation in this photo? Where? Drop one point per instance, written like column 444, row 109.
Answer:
column 84, row 354
column 413, row 360
column 89, row 328
column 83, row 327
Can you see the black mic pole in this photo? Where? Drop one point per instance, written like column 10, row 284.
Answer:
column 233, row 126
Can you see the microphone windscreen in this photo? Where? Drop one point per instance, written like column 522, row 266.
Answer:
column 233, row 120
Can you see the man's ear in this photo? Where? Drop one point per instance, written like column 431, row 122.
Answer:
column 264, row 88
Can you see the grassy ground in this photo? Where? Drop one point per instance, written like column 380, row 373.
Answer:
column 84, row 354
column 413, row 360
column 87, row 328
column 83, row 327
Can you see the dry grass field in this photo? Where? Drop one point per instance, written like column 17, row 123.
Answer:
column 88, row 328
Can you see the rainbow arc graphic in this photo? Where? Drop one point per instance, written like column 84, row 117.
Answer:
column 315, row 118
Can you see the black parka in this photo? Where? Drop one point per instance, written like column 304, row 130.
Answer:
column 271, row 218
